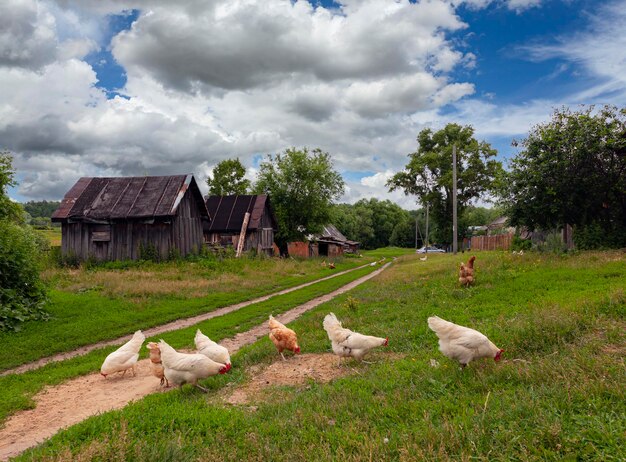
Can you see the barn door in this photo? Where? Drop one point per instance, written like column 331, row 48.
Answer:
column 267, row 238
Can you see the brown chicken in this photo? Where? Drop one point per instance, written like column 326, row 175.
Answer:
column 466, row 272
column 156, row 365
column 283, row 337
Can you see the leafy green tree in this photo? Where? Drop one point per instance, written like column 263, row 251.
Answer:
column 228, row 179
column 22, row 295
column 344, row 217
column 41, row 209
column 385, row 216
column 302, row 186
column 373, row 223
column 428, row 175
column 481, row 216
column 572, row 170
column 403, row 234
column 477, row 216
column 9, row 210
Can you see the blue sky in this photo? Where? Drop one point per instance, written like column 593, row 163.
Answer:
column 132, row 88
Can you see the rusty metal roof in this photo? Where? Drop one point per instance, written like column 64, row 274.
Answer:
column 121, row 198
column 332, row 233
column 227, row 212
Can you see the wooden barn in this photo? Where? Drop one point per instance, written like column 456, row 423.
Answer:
column 228, row 219
column 132, row 217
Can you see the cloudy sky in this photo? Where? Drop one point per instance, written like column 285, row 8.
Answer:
column 157, row 87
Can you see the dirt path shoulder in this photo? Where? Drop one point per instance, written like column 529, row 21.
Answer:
column 75, row 400
column 174, row 325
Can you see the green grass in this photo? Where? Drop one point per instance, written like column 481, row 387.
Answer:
column 561, row 318
column 16, row 390
column 53, row 235
column 83, row 314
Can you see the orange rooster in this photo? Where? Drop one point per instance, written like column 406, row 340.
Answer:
column 156, row 364
column 283, row 337
column 466, row 272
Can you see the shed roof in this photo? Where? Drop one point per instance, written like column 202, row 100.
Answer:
column 119, row 198
column 498, row 222
column 228, row 212
column 332, row 233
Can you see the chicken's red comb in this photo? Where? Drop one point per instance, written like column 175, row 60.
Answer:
column 386, row 342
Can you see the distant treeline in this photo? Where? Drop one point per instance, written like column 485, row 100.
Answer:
column 375, row 223
column 41, row 209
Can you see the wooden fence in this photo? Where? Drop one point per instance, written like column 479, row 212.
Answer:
column 498, row 242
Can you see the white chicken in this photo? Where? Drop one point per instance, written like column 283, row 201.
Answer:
column 346, row 343
column 125, row 357
column 182, row 368
column 210, row 349
column 462, row 343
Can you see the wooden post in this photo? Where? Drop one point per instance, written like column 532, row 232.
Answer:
column 242, row 234
column 455, row 244
column 426, row 245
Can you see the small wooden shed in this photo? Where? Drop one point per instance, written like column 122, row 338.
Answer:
column 227, row 219
column 132, row 217
column 333, row 243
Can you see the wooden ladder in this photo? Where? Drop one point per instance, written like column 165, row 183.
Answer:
column 242, row 234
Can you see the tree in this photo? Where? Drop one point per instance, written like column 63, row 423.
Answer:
column 9, row 210
column 572, row 170
column 428, row 175
column 385, row 215
column 302, row 186
column 22, row 294
column 403, row 234
column 41, row 209
column 228, row 179
column 375, row 223
column 481, row 216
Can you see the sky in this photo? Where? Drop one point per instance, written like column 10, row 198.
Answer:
column 159, row 87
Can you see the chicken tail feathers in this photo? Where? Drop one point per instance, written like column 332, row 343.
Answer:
column 436, row 324
column 330, row 322
column 167, row 352
column 274, row 324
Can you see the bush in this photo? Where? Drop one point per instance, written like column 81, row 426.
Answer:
column 553, row 244
column 22, row 294
column 594, row 236
column 520, row 244
column 149, row 252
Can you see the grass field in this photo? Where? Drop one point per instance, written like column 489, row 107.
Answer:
column 16, row 390
column 53, row 235
column 88, row 305
column 559, row 393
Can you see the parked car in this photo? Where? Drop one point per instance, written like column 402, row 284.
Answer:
column 431, row 249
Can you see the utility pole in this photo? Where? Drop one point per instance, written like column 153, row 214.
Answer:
column 454, row 217
column 416, row 215
column 426, row 244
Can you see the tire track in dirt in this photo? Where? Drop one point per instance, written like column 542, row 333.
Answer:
column 174, row 325
column 73, row 401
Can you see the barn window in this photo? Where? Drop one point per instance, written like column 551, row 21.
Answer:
column 101, row 233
